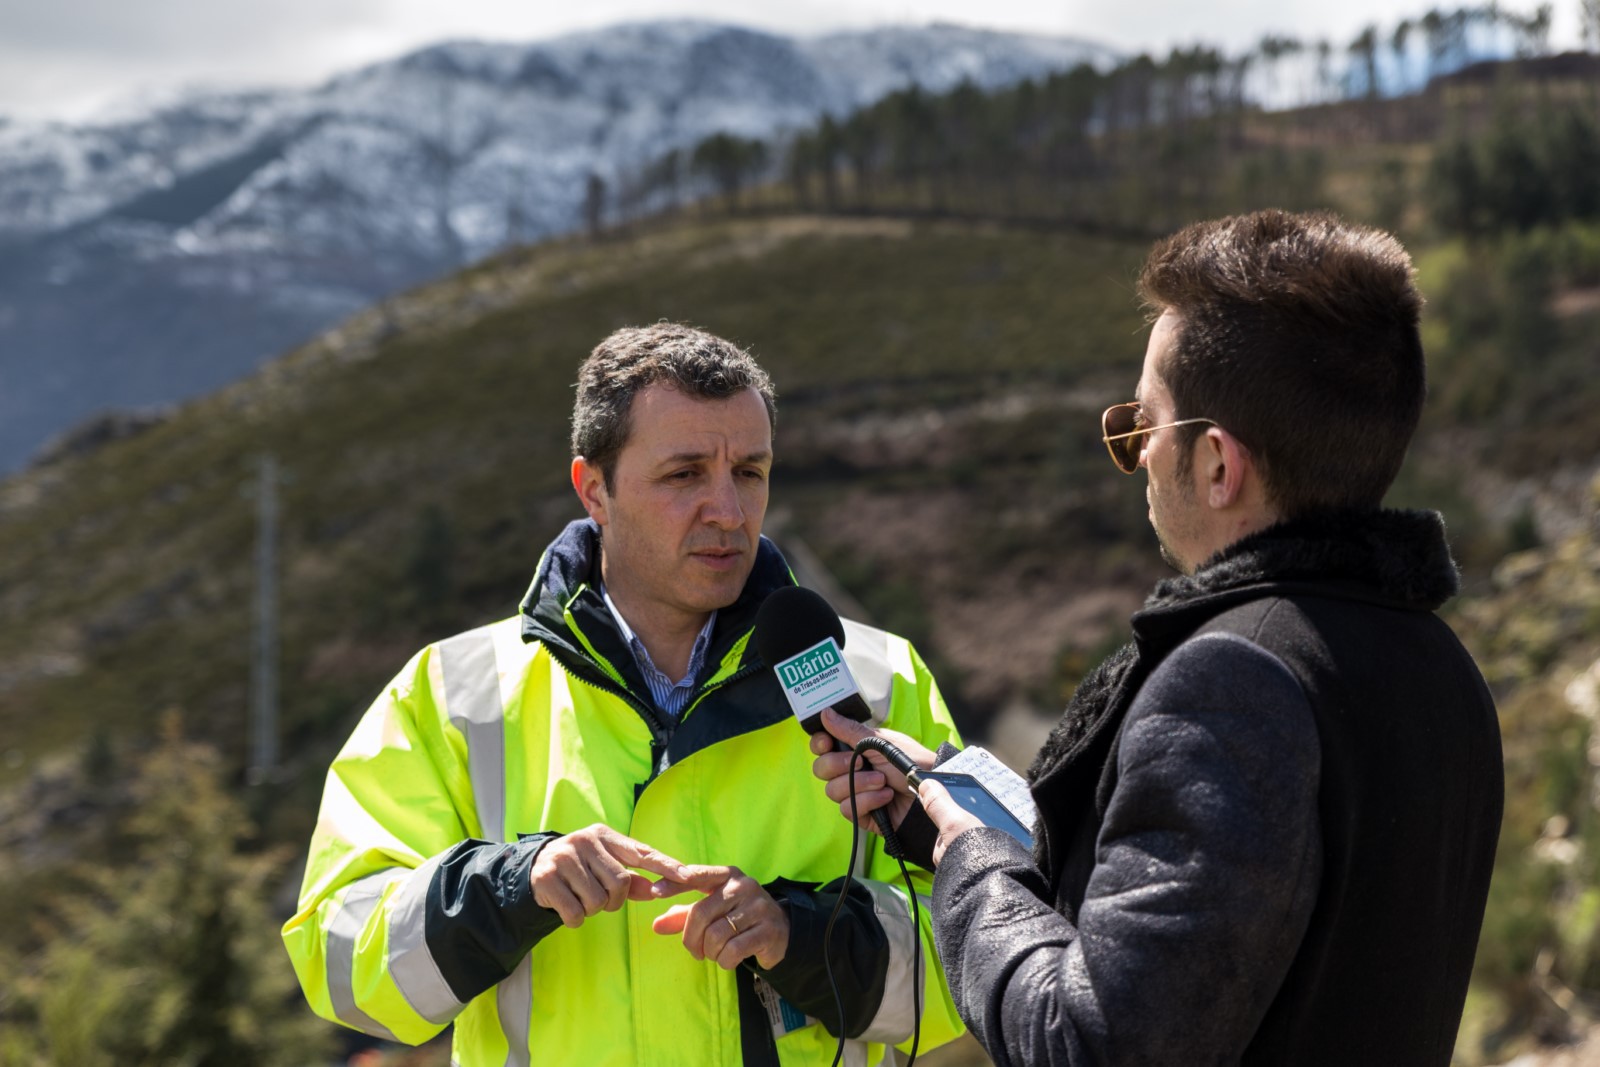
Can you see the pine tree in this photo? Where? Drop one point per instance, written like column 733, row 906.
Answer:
column 174, row 958
column 1517, row 186
column 1457, row 183
column 1573, row 155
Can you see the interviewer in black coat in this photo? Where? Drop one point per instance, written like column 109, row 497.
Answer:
column 1266, row 827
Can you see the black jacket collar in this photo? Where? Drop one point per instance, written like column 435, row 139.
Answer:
column 1397, row 558
column 568, row 581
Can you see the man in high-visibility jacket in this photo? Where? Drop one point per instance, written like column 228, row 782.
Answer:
column 477, row 854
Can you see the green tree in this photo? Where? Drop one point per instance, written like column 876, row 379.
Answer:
column 828, row 143
column 1067, row 110
column 1438, row 45
column 594, row 205
column 1516, row 184
column 730, row 162
column 863, row 145
column 800, row 163
column 1457, row 183
column 173, row 958
column 1533, row 32
column 1527, row 283
column 1391, row 195
column 916, row 142
column 663, row 177
column 1400, row 47
column 1573, row 157
column 1273, row 49
column 1364, row 51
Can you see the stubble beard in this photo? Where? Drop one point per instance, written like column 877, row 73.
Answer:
column 1169, row 557
column 1161, row 521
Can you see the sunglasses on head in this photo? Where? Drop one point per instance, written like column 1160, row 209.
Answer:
column 1121, row 428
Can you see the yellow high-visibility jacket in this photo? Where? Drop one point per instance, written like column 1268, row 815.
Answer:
column 416, row 910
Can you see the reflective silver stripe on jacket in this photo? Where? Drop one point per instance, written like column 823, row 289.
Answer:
column 514, row 1002
column 895, row 1017
column 411, row 965
column 472, row 695
column 360, row 901
column 471, row 679
column 866, row 651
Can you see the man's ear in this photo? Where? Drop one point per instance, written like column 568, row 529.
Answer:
column 590, row 485
column 1225, row 466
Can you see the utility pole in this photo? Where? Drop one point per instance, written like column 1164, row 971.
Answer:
column 264, row 663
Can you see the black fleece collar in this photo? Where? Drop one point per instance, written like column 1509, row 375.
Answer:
column 1400, row 556
column 1397, row 558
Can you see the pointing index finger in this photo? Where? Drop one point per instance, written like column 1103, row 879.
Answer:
column 700, row 878
column 705, row 876
column 640, row 855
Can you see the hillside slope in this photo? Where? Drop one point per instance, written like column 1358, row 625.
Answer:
column 938, row 447
column 939, row 389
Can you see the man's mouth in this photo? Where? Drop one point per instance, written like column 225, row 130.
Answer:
column 717, row 558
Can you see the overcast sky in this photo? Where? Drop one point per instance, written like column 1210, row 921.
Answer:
column 69, row 58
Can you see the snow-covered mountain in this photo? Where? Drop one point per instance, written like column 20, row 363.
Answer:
column 163, row 253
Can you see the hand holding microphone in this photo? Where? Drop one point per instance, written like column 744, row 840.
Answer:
column 881, row 786
column 800, row 637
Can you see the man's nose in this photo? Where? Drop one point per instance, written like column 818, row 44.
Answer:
column 722, row 507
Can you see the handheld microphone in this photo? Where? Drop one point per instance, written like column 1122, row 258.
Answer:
column 799, row 636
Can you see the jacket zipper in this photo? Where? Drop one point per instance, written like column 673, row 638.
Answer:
column 660, row 733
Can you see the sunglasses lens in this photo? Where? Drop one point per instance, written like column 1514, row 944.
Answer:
column 1120, row 420
column 1122, row 454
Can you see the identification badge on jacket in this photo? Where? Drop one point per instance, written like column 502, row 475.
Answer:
column 784, row 1017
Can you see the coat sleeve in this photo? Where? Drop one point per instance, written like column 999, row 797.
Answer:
column 882, row 949
column 406, row 913
column 1205, row 874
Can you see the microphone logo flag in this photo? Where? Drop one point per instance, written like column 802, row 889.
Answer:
column 815, row 678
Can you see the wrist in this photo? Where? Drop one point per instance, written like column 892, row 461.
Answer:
column 785, row 930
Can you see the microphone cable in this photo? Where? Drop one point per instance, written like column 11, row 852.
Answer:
column 892, row 847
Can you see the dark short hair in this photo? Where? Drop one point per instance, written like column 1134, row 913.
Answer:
column 1297, row 333
column 632, row 359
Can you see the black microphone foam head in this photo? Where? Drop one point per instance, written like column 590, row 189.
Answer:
column 793, row 619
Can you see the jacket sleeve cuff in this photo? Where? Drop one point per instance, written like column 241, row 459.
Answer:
column 482, row 918
column 859, row 956
column 916, row 835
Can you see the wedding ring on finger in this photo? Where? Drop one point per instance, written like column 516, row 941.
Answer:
column 732, row 924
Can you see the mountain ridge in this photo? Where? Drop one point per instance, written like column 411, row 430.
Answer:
column 167, row 253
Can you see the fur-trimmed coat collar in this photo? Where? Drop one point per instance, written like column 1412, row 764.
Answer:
column 1397, row 558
